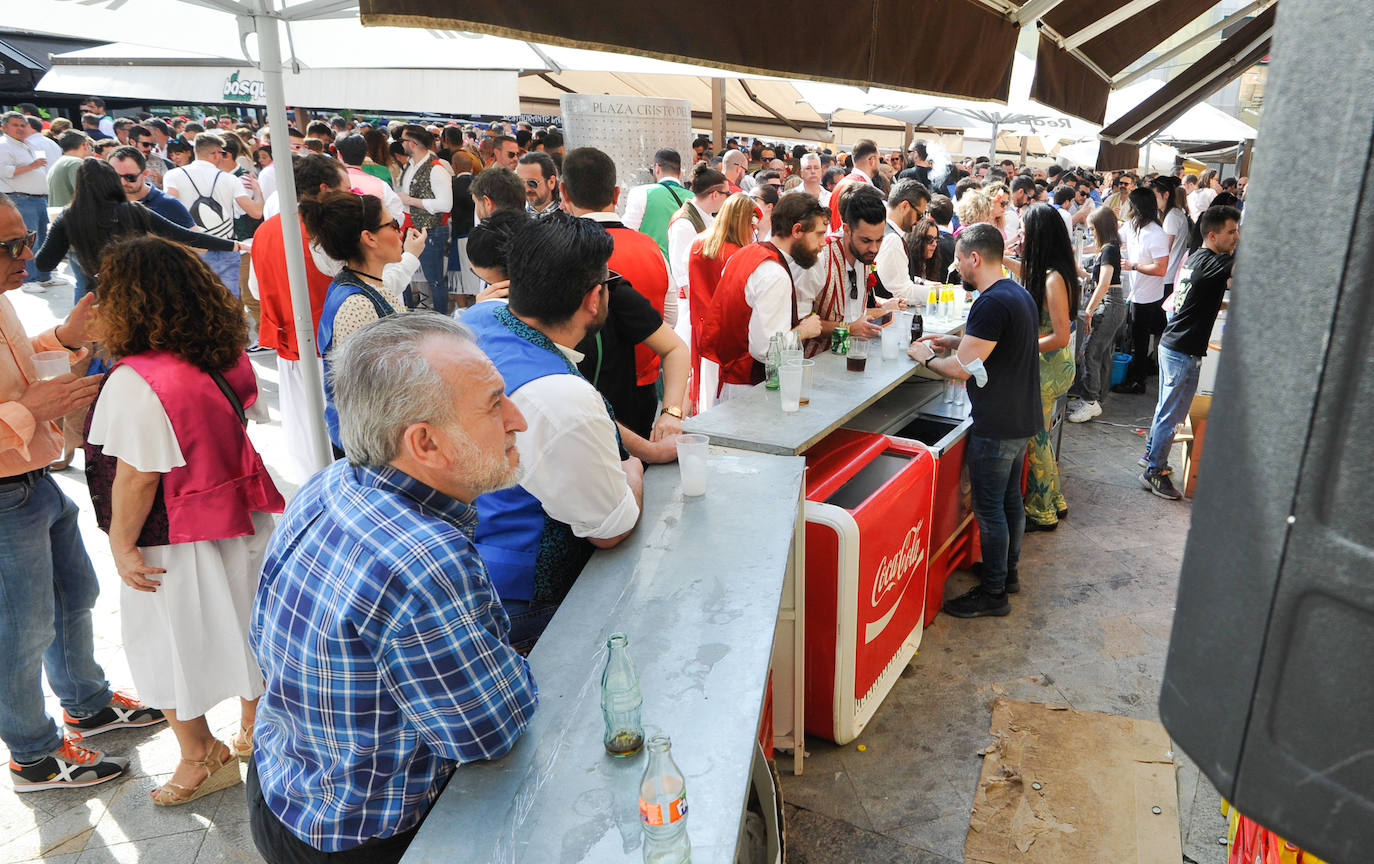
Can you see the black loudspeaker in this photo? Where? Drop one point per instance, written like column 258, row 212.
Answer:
column 1269, row 684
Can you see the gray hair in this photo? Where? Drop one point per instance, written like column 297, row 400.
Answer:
column 383, row 383
column 810, row 157
column 7, row 203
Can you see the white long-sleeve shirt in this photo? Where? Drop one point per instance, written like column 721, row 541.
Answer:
column 894, row 270
column 635, row 204
column 681, row 233
column 768, row 292
column 440, row 182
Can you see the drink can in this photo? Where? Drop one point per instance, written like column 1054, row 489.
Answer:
column 839, row 340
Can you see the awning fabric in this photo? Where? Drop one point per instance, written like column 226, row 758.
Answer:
column 1219, row 66
column 1077, row 81
column 888, row 43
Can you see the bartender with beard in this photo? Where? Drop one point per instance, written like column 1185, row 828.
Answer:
column 757, row 298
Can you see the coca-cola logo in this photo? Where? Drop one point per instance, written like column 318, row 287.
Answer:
column 892, row 568
column 892, row 572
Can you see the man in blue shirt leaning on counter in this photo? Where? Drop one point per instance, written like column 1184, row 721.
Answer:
column 383, row 644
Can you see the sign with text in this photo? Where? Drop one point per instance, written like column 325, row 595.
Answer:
column 629, row 129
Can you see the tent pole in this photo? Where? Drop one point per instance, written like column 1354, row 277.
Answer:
column 269, row 49
column 718, row 115
column 992, row 148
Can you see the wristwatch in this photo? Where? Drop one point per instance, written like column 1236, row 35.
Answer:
column 930, row 358
column 673, row 411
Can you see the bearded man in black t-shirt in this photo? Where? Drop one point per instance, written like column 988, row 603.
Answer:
column 1198, row 292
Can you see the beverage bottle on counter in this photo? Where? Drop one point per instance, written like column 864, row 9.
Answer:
column 918, row 326
column 933, row 302
column 663, row 807
column 621, row 700
column 774, row 362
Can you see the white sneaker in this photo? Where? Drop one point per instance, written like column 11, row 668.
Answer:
column 55, row 281
column 1085, row 412
column 33, row 287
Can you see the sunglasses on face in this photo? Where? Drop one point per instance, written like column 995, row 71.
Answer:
column 531, row 184
column 130, row 178
column 17, row 247
column 928, row 240
column 392, row 224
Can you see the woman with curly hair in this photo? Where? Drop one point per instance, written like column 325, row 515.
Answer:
column 183, row 495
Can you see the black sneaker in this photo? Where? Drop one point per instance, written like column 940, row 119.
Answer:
column 1062, row 514
column 1011, row 586
column 123, row 712
column 1033, row 526
column 1130, row 387
column 1160, row 484
column 976, row 603
column 70, row 766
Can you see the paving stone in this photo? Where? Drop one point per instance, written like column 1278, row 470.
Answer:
column 169, row 848
column 813, row 838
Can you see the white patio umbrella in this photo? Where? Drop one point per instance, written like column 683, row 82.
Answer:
column 321, row 33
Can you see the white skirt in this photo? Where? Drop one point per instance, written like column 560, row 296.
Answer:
column 187, row 642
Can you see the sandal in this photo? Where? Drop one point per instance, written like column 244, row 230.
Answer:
column 242, row 743
column 222, row 772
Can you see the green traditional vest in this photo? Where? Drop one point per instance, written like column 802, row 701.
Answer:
column 662, row 201
column 691, row 214
column 420, row 188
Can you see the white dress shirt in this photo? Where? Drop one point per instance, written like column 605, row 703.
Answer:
column 681, row 233
column 50, row 148
column 768, row 292
column 823, row 195
column 569, row 458
column 636, row 201
column 893, row 267
column 440, row 182
column 16, row 154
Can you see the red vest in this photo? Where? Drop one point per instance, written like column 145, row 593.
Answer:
column 703, row 274
column 835, row 196
column 214, row 495
column 637, row 257
column 277, row 328
column 726, row 332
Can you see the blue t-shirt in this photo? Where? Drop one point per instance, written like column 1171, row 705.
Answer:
column 167, row 207
column 1009, row 405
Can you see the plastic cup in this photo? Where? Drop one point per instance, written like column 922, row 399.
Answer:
column 857, row 359
column 791, row 387
column 789, row 354
column 889, row 344
column 903, row 325
column 691, row 461
column 50, row 364
column 806, row 366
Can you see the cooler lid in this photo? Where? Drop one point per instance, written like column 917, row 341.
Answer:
column 847, row 466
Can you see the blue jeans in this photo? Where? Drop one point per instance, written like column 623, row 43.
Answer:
column 83, row 282
column 1178, row 374
column 527, row 622
column 434, row 264
column 47, row 589
column 34, row 209
column 994, row 472
column 226, row 267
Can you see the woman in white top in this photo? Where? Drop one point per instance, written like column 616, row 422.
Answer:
column 185, row 603
column 1147, row 258
column 1175, row 223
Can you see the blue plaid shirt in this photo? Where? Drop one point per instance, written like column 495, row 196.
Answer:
column 385, row 653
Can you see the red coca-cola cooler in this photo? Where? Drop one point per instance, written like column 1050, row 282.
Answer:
column 868, row 524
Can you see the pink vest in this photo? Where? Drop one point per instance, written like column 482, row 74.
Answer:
column 214, row 495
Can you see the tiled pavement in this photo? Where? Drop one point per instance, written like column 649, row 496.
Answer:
column 1089, row 628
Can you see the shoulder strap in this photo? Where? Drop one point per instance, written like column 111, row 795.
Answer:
column 379, row 303
column 671, row 192
column 231, row 396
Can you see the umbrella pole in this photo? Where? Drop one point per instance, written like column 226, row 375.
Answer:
column 269, row 49
column 992, row 148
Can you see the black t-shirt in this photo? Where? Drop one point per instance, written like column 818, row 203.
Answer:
column 611, row 365
column 1009, row 406
column 1198, row 292
column 1108, row 256
column 944, row 245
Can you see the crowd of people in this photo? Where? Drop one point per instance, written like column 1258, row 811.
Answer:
column 378, row 627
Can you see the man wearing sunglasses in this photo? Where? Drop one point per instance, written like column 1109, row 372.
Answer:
column 540, row 178
column 134, row 176
column 141, row 137
column 46, row 577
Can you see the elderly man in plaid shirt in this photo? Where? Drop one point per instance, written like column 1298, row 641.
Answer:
column 381, row 638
